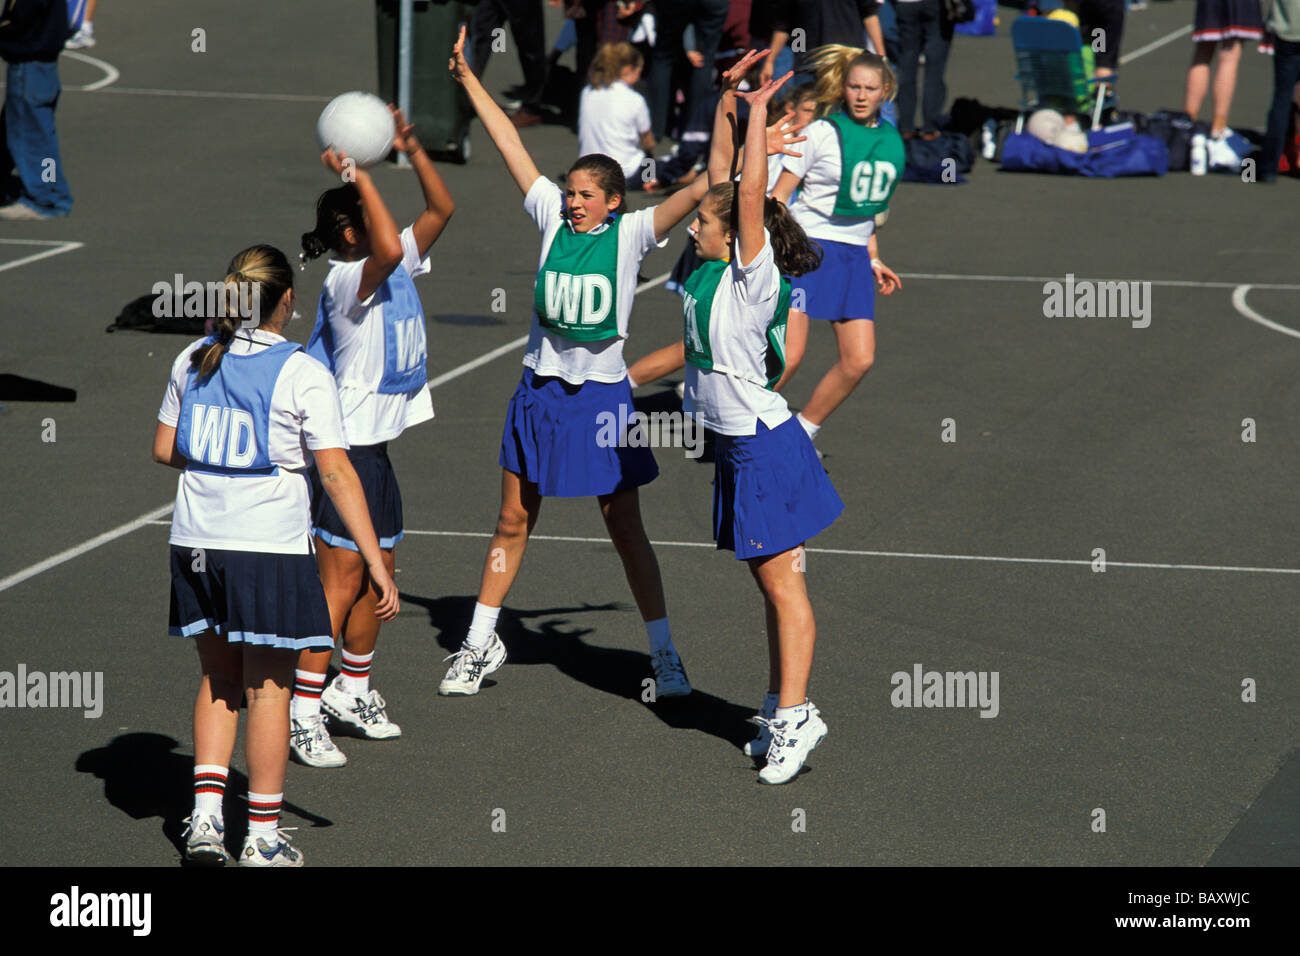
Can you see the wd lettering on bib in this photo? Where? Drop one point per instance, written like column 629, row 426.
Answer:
column 871, row 160
column 226, row 418
column 576, row 294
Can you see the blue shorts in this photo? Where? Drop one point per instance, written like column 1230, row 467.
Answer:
column 770, row 493
column 550, row 438
column 252, row 597
column 383, row 499
column 844, row 287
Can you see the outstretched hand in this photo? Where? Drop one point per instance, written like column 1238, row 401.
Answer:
column 339, row 163
column 731, row 79
column 458, row 66
column 764, row 93
column 782, row 134
column 403, row 132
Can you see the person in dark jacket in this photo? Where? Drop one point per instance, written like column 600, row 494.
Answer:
column 32, row 32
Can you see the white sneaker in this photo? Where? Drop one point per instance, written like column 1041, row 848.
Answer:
column 81, row 39
column 310, row 743
column 670, row 675
column 792, row 741
column 257, row 852
column 366, row 715
column 203, row 833
column 758, row 746
column 470, row 665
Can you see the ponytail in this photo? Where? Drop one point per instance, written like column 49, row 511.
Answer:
column 794, row 253
column 267, row 271
column 337, row 210
column 833, row 63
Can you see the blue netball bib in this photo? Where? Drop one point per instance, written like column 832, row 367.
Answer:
column 226, row 418
column 405, row 346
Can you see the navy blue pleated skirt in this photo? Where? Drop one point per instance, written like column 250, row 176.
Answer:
column 250, row 597
column 770, row 493
column 383, row 499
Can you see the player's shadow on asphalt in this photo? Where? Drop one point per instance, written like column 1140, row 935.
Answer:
column 144, row 777
column 611, row 670
column 666, row 400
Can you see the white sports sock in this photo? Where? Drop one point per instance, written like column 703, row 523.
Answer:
column 792, row 713
column 808, row 426
column 631, row 382
column 354, row 675
column 307, row 687
column 482, row 626
column 264, row 815
column 209, row 788
column 661, row 636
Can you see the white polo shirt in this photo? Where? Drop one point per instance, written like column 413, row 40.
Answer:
column 820, row 168
column 358, row 327
column 577, row 362
column 743, row 306
column 259, row 512
column 610, row 121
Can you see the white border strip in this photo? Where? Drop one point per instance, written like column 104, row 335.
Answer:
column 1155, row 44
column 1171, row 283
column 110, row 72
column 82, row 548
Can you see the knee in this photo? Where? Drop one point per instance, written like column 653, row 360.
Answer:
column 625, row 530
column 226, row 688
column 858, row 364
column 512, row 523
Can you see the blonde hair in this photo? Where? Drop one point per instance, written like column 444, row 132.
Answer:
column 610, row 61
column 267, row 270
column 833, row 63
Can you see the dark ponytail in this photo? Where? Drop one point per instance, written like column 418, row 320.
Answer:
column 267, row 270
column 337, row 210
column 795, row 254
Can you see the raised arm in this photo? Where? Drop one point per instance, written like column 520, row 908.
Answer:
column 752, row 192
column 494, row 120
column 438, row 204
column 722, row 148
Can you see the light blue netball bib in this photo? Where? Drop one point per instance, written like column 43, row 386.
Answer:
column 226, row 418
column 405, row 343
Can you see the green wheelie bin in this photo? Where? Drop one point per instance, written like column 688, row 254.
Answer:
column 440, row 109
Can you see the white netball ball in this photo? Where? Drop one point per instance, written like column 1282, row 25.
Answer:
column 358, row 125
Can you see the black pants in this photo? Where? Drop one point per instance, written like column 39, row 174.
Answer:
column 922, row 27
column 528, row 31
column 1286, row 72
column 671, row 18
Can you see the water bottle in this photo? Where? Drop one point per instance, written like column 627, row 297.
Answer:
column 1200, row 158
column 988, row 141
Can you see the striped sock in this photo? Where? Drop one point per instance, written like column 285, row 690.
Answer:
column 356, row 672
column 264, row 815
column 209, row 788
column 307, row 688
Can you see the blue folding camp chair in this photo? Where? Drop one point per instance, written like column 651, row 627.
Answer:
column 1049, row 66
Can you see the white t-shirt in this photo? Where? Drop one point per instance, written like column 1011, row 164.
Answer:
column 259, row 512
column 742, row 308
column 369, row 416
column 611, row 121
column 820, row 167
column 577, row 362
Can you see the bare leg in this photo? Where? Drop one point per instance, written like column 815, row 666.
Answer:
column 622, row 513
column 857, row 344
column 342, row 574
column 1198, row 78
column 1225, row 84
column 268, row 682
column 773, row 647
column 784, row 587
column 362, row 629
column 520, row 506
column 216, row 709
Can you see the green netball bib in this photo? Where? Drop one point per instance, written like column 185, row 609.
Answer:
column 697, row 308
column 872, row 159
column 576, row 295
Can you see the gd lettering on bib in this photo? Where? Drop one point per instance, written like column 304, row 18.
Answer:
column 872, row 159
column 226, row 418
column 576, row 295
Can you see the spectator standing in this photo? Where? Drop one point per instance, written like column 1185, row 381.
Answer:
column 1220, row 24
column 528, row 30
column 923, row 27
column 822, row 22
column 32, row 33
column 1284, row 26
column 671, row 20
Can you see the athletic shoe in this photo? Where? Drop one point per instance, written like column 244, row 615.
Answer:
column 758, row 746
column 310, row 743
column 791, row 744
column 81, row 39
column 470, row 665
column 680, row 390
column 366, row 715
column 670, row 675
column 21, row 212
column 203, row 833
column 257, row 852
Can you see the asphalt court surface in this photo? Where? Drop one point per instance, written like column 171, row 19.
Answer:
column 1118, row 690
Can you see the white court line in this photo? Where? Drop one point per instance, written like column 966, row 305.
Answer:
column 1155, row 44
column 895, row 554
column 208, row 94
column 1171, row 283
column 110, row 72
column 1239, row 303
column 59, row 249
column 82, row 548
column 152, row 516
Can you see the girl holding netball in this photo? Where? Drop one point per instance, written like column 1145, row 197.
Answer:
column 241, row 412
column 574, row 374
column 850, row 165
column 370, row 333
column 770, row 494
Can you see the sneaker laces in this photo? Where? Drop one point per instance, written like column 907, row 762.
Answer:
column 469, row 662
column 777, row 729
column 371, row 708
column 669, row 663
